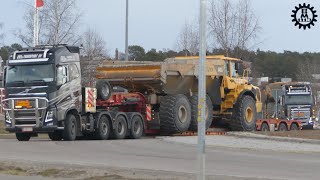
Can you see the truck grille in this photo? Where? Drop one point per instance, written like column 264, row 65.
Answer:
column 301, row 113
column 22, row 116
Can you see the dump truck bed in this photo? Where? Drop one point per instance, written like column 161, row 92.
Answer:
column 170, row 76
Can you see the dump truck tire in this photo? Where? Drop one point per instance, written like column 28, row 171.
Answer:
column 103, row 89
column 175, row 114
column 194, row 112
column 244, row 115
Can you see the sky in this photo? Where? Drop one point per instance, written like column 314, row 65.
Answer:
column 157, row 23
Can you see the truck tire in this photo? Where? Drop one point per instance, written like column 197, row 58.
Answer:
column 103, row 129
column 175, row 114
column 120, row 128
column 23, row 136
column 294, row 127
column 265, row 127
column 137, row 129
column 70, row 128
column 55, row 136
column 244, row 115
column 194, row 112
column 283, row 127
column 103, row 89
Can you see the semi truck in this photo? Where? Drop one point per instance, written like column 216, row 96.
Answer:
column 43, row 94
column 291, row 100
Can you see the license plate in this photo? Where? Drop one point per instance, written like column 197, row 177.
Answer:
column 27, row 129
column 300, row 114
column 23, row 103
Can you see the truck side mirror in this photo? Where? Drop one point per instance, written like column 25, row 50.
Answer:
column 61, row 75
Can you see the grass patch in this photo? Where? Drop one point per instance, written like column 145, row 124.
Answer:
column 12, row 170
column 50, row 172
column 2, row 128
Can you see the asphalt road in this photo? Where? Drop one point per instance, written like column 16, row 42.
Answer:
column 156, row 154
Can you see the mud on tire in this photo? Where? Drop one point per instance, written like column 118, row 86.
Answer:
column 175, row 114
column 244, row 115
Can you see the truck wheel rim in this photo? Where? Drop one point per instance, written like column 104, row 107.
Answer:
column 182, row 114
column 104, row 128
column 120, row 128
column 249, row 115
column 136, row 127
column 73, row 128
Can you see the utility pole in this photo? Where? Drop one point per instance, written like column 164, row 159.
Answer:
column 202, row 93
column 127, row 16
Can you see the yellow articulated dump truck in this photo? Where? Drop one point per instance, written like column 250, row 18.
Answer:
column 171, row 91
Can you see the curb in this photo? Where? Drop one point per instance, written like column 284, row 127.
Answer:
column 265, row 137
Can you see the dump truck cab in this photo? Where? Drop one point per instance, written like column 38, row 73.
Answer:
column 42, row 85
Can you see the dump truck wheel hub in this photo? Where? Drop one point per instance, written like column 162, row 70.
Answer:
column 249, row 115
column 182, row 114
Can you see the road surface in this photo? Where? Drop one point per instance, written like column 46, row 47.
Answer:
column 156, row 154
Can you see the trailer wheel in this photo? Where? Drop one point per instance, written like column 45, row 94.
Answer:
column 103, row 89
column 55, row 136
column 23, row 136
column 244, row 115
column 283, row 127
column 137, row 129
column 175, row 114
column 70, row 128
column 103, row 130
column 265, row 127
column 120, row 128
column 194, row 112
column 294, row 127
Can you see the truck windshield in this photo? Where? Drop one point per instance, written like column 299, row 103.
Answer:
column 30, row 73
column 299, row 99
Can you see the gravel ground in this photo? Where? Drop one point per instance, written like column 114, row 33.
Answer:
column 249, row 143
column 305, row 134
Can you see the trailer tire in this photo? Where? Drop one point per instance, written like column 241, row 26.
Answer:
column 244, row 115
column 265, row 127
column 103, row 129
column 55, row 136
column 23, row 136
column 120, row 128
column 103, row 89
column 294, row 127
column 175, row 114
column 70, row 128
column 283, row 127
column 137, row 129
column 194, row 112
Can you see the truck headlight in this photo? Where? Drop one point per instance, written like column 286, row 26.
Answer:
column 49, row 116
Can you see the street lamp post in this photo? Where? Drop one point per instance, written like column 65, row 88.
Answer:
column 127, row 16
column 202, row 92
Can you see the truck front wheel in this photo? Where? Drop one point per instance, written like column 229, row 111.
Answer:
column 23, row 136
column 70, row 128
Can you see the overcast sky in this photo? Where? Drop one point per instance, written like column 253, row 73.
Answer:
column 156, row 23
